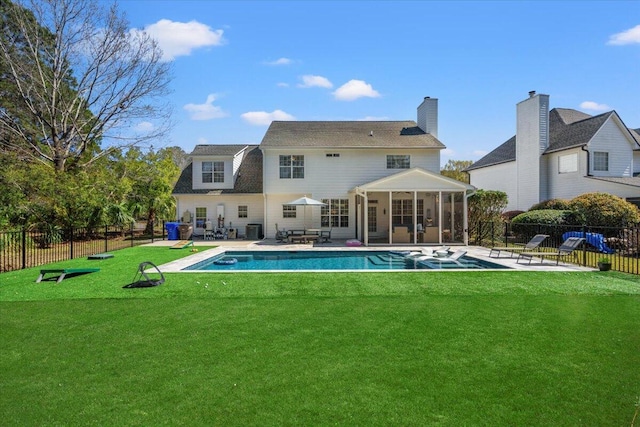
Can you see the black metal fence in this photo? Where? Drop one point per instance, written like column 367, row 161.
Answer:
column 23, row 249
column 621, row 245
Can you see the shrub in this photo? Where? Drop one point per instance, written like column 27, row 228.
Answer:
column 544, row 221
column 485, row 206
column 604, row 209
column 554, row 204
column 509, row 215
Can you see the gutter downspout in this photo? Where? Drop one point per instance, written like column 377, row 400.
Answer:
column 264, row 209
column 588, row 161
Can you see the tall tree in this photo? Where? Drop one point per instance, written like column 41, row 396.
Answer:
column 78, row 77
column 455, row 169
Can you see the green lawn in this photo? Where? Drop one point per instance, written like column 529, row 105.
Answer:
column 426, row 348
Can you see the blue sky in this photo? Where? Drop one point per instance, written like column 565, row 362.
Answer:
column 238, row 65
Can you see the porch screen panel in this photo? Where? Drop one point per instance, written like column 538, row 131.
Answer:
column 402, row 211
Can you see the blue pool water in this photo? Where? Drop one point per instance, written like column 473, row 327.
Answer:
column 328, row 260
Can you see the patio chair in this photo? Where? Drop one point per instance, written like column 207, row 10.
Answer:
column 325, row 236
column 565, row 249
column 281, row 236
column 528, row 247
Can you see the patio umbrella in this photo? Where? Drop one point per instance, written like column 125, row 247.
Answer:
column 305, row 201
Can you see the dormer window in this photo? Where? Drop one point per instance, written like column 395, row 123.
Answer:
column 207, row 172
column 218, row 171
column 212, row 172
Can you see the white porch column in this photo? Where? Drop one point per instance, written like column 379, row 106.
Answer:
column 365, row 225
column 390, row 232
column 440, row 217
column 415, row 217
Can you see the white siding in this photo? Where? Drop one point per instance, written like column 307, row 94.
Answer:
column 636, row 162
column 254, row 203
column 567, row 185
column 500, row 177
column 330, row 178
column 338, row 175
column 610, row 139
column 228, row 173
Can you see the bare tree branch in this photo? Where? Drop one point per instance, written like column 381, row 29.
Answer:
column 81, row 81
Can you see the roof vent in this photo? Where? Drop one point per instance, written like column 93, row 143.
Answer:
column 532, row 93
column 371, row 133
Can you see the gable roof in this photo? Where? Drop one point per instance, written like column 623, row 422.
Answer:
column 417, row 179
column 218, row 150
column 248, row 178
column 567, row 129
column 348, row 134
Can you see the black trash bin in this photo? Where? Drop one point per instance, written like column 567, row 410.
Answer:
column 185, row 231
column 172, row 230
column 254, row 231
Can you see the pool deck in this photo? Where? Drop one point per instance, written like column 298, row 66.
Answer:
column 478, row 252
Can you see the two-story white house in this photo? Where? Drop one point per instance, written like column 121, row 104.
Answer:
column 560, row 154
column 379, row 180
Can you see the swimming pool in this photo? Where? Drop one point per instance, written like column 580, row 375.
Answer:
column 330, row 260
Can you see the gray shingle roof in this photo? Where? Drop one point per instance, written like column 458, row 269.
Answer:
column 218, row 150
column 348, row 134
column 249, row 177
column 632, row 181
column 567, row 129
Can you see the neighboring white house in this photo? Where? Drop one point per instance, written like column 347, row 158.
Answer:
column 380, row 181
column 560, row 154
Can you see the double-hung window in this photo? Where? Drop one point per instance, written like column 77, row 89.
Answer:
column 207, row 172
column 335, row 213
column 601, row 161
column 291, row 167
column 218, row 171
column 398, row 161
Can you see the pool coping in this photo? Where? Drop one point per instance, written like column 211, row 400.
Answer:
column 478, row 252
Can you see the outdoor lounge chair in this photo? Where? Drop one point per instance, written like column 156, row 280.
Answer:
column 566, row 249
column 453, row 258
column 530, row 246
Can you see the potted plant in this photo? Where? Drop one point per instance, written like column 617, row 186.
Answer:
column 604, row 263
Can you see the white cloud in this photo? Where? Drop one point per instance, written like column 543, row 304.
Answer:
column 480, row 153
column 594, row 106
column 144, row 127
column 262, row 118
column 447, row 152
column 280, row 61
column 206, row 111
column 630, row 36
column 202, row 140
column 315, row 81
column 355, row 89
column 283, row 85
column 181, row 38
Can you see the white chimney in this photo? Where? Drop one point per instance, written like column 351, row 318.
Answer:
column 428, row 116
column 532, row 139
